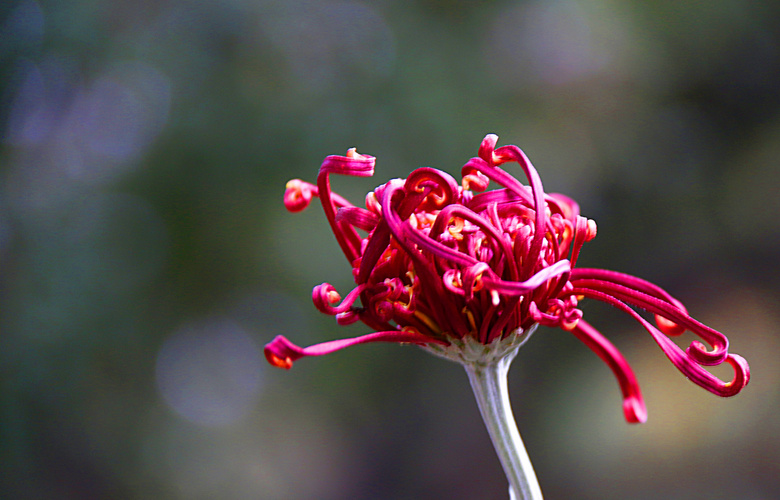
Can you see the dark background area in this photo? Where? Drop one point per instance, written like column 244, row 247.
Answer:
column 146, row 256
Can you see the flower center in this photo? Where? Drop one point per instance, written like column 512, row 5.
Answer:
column 443, row 255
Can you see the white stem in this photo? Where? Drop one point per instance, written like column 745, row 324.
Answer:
column 489, row 382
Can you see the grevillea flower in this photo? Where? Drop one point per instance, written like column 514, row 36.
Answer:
column 457, row 269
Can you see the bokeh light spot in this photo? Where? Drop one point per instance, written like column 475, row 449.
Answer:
column 124, row 110
column 209, row 372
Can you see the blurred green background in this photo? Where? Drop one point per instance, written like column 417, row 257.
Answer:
column 146, row 257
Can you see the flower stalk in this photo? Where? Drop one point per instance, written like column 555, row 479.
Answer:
column 487, row 366
column 489, row 383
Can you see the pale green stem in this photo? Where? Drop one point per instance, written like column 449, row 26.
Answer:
column 489, row 382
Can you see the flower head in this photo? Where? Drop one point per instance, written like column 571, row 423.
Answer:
column 448, row 266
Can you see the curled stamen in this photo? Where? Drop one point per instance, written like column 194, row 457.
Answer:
column 445, row 312
column 683, row 361
column 472, row 277
column 559, row 313
column 406, row 232
column 443, row 185
column 473, row 180
column 584, row 231
column 660, row 307
column 452, row 281
column 353, row 164
column 347, row 318
column 487, row 146
column 325, row 295
column 298, row 195
column 460, row 211
column 513, row 153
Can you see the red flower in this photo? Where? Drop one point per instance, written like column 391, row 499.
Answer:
column 443, row 267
